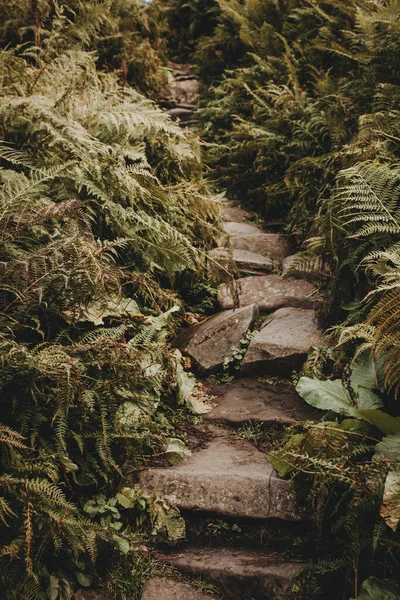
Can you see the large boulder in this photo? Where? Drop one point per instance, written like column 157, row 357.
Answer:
column 222, row 261
column 229, row 477
column 161, row 588
column 251, row 399
column 214, row 340
column 269, row 292
column 282, row 345
column 246, row 573
column 274, row 245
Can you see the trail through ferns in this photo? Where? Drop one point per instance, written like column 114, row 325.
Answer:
column 105, row 218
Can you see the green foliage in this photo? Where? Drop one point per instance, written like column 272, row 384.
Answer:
column 103, row 212
column 125, row 33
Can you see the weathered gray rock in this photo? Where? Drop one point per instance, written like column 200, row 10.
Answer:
column 214, row 339
column 183, row 114
column 247, row 574
column 292, row 268
column 269, row 292
column 230, row 477
column 283, row 343
column 238, row 229
column 224, row 261
column 161, row 588
column 233, row 213
column 250, row 399
column 274, row 245
column 184, row 90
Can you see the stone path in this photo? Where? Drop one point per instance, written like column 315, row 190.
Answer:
column 229, row 478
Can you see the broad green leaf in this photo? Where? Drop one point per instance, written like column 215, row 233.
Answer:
column 114, row 307
column 388, row 448
column 127, row 497
column 84, row 579
column 277, row 457
column 386, row 423
column 366, row 372
column 167, row 523
column 53, row 588
column 379, row 589
column 123, row 545
column 390, row 508
column 176, row 450
column 188, row 389
column 332, row 395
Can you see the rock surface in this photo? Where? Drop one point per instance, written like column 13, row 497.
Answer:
column 283, row 343
column 274, row 245
column 161, row 588
column 248, row 574
column 251, row 399
column 184, row 90
column 312, row 273
column 238, row 229
column 240, row 260
column 183, row 114
column 231, row 212
column 214, row 339
column 269, row 292
column 230, row 477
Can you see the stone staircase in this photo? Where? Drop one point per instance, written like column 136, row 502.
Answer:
column 229, row 478
column 183, row 95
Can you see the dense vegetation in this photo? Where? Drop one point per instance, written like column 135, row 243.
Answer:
column 104, row 218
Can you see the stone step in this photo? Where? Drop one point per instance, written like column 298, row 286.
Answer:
column 184, row 90
column 183, row 114
column 251, row 399
column 223, row 261
column 291, row 268
column 161, row 588
column 230, row 477
column 234, row 228
column 245, row 573
column 213, row 340
column 234, row 213
column 282, row 345
column 274, row 245
column 269, row 292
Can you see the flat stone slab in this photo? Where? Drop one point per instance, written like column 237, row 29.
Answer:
column 239, row 260
column 183, row 114
column 214, row 339
column 251, row 399
column 291, row 267
column 248, row 574
column 283, row 343
column 274, row 245
column 238, row 229
column 269, row 292
column 233, row 213
column 161, row 588
column 230, row 477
